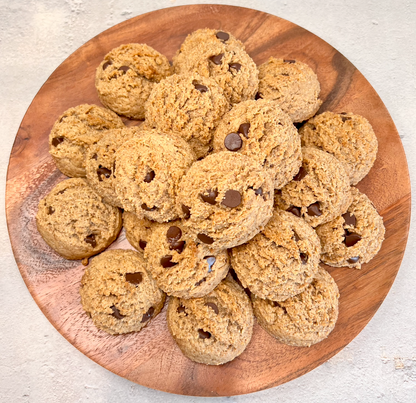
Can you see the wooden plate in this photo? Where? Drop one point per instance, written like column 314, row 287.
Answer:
column 151, row 357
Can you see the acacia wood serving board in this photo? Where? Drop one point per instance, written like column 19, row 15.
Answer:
column 151, row 358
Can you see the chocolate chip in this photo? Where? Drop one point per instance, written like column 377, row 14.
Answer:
column 181, row 309
column 290, row 61
column 223, row 36
column 57, row 140
column 210, row 260
column 217, row 59
column 296, row 236
column 205, row 239
column 203, row 334
column 149, row 176
column 91, row 240
column 343, row 113
column 243, row 129
column 294, row 210
column 51, row 210
column 186, row 211
column 116, row 313
column 351, row 238
column 313, row 210
column 235, row 66
column 354, row 259
column 61, row 191
column 102, row 171
column 258, row 96
column 166, row 261
column 124, row 69
column 201, row 88
column 345, row 118
column 233, row 142
column 349, row 219
column 213, row 306
column 134, row 278
column 62, row 118
column 304, row 258
column 94, row 157
column 148, row 315
column 178, row 246
column 144, row 207
column 142, row 244
column 232, row 198
column 284, row 74
column 210, row 197
column 173, row 234
column 198, row 283
column 107, row 63
column 259, row 192
column 301, row 174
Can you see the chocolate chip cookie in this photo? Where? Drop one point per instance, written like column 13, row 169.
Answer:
column 226, row 199
column 189, row 106
column 147, row 174
column 180, row 266
column 281, row 260
column 320, row 191
column 214, row 329
column 118, row 293
column 304, row 319
column 353, row 238
column 260, row 130
column 347, row 136
column 75, row 222
column 127, row 75
column 217, row 54
column 74, row 131
column 291, row 83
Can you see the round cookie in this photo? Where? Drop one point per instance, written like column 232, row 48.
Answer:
column 320, row 191
column 118, row 294
column 127, row 75
column 348, row 137
column 74, row 131
column 148, row 171
column 226, row 199
column 353, row 238
column 100, row 162
column 189, row 106
column 217, row 54
column 180, row 266
column 75, row 222
column 214, row 329
column 138, row 230
column 291, row 83
column 281, row 260
column 260, row 130
column 304, row 319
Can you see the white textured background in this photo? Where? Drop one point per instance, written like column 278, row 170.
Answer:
column 38, row 365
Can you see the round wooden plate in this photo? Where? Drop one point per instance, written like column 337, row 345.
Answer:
column 151, row 358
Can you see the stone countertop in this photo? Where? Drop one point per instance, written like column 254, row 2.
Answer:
column 38, row 365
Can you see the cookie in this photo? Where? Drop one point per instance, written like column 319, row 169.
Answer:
column 148, row 171
column 100, row 162
column 291, row 83
column 304, row 319
column 74, row 131
column 217, row 54
column 353, row 238
column 226, row 199
column 348, row 137
column 127, row 75
column 214, row 329
column 180, row 266
column 189, row 106
column 320, row 191
column 260, row 130
column 138, row 230
column 75, row 222
column 281, row 260
column 118, row 294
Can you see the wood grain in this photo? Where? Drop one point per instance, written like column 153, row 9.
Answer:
column 150, row 357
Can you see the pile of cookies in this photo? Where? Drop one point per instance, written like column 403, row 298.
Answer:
column 229, row 208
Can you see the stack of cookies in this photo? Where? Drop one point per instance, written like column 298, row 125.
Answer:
column 230, row 208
